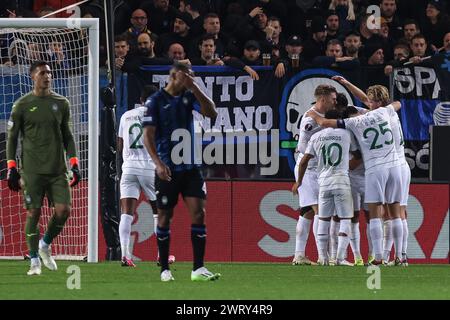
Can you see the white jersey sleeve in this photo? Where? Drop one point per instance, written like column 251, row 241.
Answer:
column 308, row 127
column 374, row 133
column 136, row 159
column 398, row 137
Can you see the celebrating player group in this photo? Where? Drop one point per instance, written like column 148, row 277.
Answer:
column 351, row 159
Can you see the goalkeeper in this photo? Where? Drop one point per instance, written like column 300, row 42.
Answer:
column 42, row 118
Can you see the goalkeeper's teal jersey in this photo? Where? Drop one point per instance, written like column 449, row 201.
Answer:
column 43, row 124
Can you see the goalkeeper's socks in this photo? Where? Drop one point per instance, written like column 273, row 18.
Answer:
column 32, row 235
column 54, row 227
column 163, row 239
column 124, row 234
column 198, row 237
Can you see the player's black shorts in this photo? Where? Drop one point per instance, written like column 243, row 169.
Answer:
column 189, row 183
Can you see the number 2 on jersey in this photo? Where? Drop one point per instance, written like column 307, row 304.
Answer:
column 136, row 143
column 383, row 131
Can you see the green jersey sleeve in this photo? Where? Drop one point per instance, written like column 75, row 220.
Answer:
column 15, row 124
column 66, row 124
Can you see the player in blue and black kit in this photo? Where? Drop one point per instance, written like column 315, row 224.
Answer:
column 168, row 110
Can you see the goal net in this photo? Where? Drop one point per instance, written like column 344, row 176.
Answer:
column 72, row 57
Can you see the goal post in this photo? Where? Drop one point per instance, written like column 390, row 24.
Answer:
column 71, row 46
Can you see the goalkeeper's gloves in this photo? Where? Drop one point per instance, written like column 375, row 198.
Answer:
column 13, row 176
column 76, row 175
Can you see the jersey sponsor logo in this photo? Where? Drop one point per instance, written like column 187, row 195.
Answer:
column 185, row 101
column 32, row 109
column 166, row 106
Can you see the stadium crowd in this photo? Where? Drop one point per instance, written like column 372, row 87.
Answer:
column 322, row 33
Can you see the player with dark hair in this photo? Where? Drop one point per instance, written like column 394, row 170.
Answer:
column 42, row 120
column 169, row 111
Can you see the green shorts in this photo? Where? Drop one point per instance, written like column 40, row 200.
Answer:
column 37, row 186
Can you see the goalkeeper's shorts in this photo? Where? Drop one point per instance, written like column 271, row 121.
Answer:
column 37, row 186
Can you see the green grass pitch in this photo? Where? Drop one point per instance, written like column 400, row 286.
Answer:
column 243, row 281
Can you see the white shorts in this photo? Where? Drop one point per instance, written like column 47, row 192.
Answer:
column 337, row 200
column 358, row 189
column 131, row 184
column 406, row 180
column 308, row 192
column 384, row 186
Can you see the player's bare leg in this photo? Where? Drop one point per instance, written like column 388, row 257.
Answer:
column 302, row 234
column 126, row 218
column 196, row 207
column 55, row 226
column 32, row 238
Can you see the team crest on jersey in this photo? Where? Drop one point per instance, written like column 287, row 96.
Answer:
column 55, row 107
column 28, row 199
column 308, row 127
column 185, row 100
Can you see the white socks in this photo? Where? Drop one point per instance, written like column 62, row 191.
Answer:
column 124, row 233
column 322, row 238
column 397, row 232
column 369, row 239
column 376, row 235
column 315, row 227
column 405, row 237
column 387, row 239
column 344, row 227
column 301, row 235
column 355, row 240
column 155, row 223
column 334, row 231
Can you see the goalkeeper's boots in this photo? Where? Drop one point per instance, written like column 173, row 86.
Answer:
column 127, row 262
column 166, row 276
column 302, row 260
column 46, row 255
column 203, row 274
column 343, row 262
column 359, row 262
column 35, row 268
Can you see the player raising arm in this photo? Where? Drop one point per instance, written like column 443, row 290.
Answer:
column 42, row 119
column 374, row 133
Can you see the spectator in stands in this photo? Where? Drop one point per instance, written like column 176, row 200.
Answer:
column 43, row 6
column 346, row 13
column 401, row 56
column 193, row 7
column 209, row 57
column 252, row 53
column 437, row 23
column 145, row 55
column 274, row 33
column 418, row 48
column 45, row 11
column 410, row 29
column 335, row 57
column 374, row 54
column 388, row 12
column 161, row 15
column 121, row 48
column 12, row 8
column 225, row 44
column 316, row 45
column 352, row 44
column 180, row 34
column 57, row 58
column 176, row 52
column 446, row 41
column 138, row 26
column 332, row 20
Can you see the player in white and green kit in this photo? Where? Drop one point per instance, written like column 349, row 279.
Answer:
column 41, row 119
column 331, row 148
